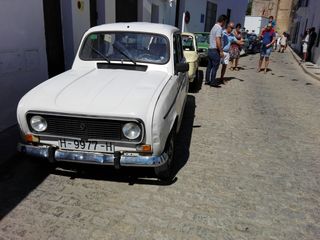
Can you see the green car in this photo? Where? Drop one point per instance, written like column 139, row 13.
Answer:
column 202, row 39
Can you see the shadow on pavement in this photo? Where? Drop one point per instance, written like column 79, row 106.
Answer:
column 133, row 175
column 18, row 178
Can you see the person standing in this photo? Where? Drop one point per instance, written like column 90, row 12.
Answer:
column 235, row 48
column 305, row 42
column 228, row 39
column 215, row 52
column 277, row 42
column 268, row 38
column 283, row 42
column 312, row 40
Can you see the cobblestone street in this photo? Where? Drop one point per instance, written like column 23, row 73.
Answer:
column 248, row 168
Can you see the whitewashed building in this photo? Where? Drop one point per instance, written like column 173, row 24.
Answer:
column 306, row 16
column 204, row 13
column 40, row 37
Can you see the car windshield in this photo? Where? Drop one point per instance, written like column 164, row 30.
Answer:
column 202, row 38
column 125, row 46
column 187, row 43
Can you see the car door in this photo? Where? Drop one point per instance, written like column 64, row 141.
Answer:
column 180, row 77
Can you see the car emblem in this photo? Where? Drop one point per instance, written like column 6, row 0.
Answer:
column 82, row 126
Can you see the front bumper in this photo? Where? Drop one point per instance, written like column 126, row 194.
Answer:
column 57, row 155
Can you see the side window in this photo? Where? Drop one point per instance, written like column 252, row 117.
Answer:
column 177, row 51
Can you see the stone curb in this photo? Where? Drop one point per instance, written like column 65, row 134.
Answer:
column 307, row 71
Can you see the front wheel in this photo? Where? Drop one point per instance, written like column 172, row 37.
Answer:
column 165, row 171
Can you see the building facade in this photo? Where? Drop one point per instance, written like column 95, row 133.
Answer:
column 40, row 38
column 204, row 13
column 281, row 10
column 306, row 15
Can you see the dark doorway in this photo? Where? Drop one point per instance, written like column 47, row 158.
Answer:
column 126, row 10
column 93, row 13
column 211, row 16
column 154, row 13
column 54, row 41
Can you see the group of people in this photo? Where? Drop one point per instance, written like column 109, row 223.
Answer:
column 225, row 46
column 308, row 41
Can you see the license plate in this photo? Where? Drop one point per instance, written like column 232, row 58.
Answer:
column 91, row 146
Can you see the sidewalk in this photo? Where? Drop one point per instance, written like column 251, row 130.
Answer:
column 8, row 144
column 308, row 67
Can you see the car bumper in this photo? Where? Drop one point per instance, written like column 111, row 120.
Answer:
column 57, row 155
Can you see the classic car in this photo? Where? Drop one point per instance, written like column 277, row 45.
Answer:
column 120, row 104
column 190, row 51
column 202, row 39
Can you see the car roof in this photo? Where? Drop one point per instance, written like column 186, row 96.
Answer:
column 136, row 27
column 187, row 33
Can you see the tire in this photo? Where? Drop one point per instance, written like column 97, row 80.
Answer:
column 195, row 86
column 199, row 79
column 165, row 171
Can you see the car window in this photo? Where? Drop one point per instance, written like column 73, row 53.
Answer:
column 187, row 43
column 202, row 38
column 178, row 51
column 120, row 46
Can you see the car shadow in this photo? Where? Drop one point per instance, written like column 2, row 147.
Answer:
column 20, row 176
column 132, row 175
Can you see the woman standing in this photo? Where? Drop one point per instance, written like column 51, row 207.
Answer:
column 235, row 49
column 305, row 42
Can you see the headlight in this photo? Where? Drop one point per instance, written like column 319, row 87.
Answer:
column 131, row 130
column 38, row 123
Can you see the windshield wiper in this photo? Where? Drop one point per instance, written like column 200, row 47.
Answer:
column 124, row 54
column 101, row 54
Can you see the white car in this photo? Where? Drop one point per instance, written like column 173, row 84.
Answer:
column 121, row 103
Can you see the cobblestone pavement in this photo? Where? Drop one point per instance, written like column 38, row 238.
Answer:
column 252, row 172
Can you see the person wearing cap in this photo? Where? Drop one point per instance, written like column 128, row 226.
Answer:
column 268, row 38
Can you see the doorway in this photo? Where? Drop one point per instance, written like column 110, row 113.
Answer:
column 211, row 16
column 54, row 41
column 93, row 13
column 126, row 10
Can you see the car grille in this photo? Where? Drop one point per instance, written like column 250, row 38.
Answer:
column 83, row 128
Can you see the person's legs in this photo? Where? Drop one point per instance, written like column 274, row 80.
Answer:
column 231, row 64
column 209, row 67
column 215, row 66
column 223, row 72
column 309, row 54
column 236, row 64
column 266, row 63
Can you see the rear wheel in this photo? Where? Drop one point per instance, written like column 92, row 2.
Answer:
column 195, row 86
column 165, row 171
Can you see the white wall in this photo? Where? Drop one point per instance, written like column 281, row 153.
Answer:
column 80, row 21
column 23, row 60
column 198, row 7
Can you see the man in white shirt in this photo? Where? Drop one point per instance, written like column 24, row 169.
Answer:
column 215, row 51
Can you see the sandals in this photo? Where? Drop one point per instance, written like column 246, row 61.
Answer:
column 236, row 69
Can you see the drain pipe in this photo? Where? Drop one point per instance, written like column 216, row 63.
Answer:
column 177, row 13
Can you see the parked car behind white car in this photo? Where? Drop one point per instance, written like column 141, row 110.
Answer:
column 190, row 51
column 121, row 103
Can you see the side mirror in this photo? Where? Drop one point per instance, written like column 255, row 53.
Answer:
column 182, row 67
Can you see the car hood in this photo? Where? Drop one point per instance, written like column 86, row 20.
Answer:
column 99, row 92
